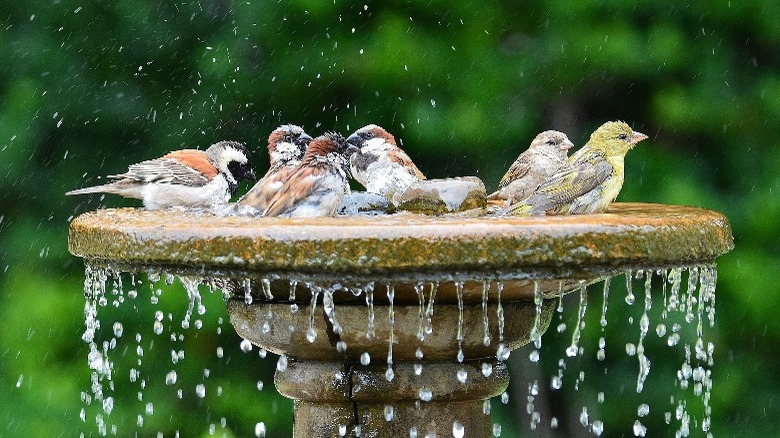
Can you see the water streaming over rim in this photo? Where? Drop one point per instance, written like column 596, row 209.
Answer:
column 460, row 295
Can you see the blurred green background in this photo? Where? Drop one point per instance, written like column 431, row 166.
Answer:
column 87, row 88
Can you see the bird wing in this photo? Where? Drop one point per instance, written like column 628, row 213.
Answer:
column 577, row 177
column 517, row 170
column 167, row 170
column 302, row 183
column 261, row 194
column 399, row 156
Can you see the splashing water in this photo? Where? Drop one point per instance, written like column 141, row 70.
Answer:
column 688, row 300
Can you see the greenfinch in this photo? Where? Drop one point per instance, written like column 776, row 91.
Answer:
column 589, row 180
column 546, row 154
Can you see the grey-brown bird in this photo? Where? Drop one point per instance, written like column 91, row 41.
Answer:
column 316, row 187
column 589, row 180
column 547, row 152
column 286, row 146
column 380, row 165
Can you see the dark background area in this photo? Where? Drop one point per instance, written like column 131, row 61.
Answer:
column 89, row 88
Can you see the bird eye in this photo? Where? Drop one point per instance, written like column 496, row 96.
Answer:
column 622, row 136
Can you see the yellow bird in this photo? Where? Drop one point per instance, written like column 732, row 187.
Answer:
column 589, row 180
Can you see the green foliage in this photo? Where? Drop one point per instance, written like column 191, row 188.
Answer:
column 88, row 88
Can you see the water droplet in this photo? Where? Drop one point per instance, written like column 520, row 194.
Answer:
column 388, row 413
column 118, row 329
column 341, row 346
column 458, row 431
column 149, row 409
column 584, row 416
column 639, row 429
column 246, row 346
column 389, row 374
column 418, row 368
column 419, row 353
column 259, row 385
column 342, row 429
column 643, row 410
column 496, row 429
column 220, row 352
column 311, row 335
column 462, row 375
column 597, row 428
column 365, row 358
column 170, row 378
column 281, row 364
column 630, row 349
column 504, row 397
column 413, row 432
column 200, row 390
column 534, row 356
column 425, row 394
column 260, row 429
column 487, row 369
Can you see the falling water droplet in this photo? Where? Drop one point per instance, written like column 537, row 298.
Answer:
column 597, row 428
column 425, row 394
column 365, row 358
column 246, row 346
column 487, row 369
column 458, row 431
column 388, row 413
column 260, row 429
column 281, row 364
column 462, row 375
column 200, row 390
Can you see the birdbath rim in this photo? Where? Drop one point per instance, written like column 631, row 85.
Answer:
column 627, row 235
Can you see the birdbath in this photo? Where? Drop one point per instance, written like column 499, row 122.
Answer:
column 387, row 325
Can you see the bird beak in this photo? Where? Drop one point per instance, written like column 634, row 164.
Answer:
column 637, row 137
column 566, row 144
column 355, row 140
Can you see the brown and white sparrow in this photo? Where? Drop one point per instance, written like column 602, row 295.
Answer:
column 188, row 178
column 546, row 153
column 286, row 147
column 316, row 187
column 380, row 165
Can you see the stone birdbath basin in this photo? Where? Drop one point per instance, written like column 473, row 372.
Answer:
column 396, row 325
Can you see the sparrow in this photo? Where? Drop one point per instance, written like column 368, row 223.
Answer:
column 185, row 178
column 589, row 180
column 380, row 165
column 286, row 146
column 316, row 187
column 546, row 153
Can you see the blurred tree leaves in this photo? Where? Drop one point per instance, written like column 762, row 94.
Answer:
column 88, row 88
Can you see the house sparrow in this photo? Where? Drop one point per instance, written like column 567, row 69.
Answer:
column 546, row 154
column 316, row 187
column 286, row 146
column 589, row 180
column 380, row 165
column 185, row 178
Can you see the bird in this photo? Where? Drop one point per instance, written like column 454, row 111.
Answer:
column 316, row 187
column 286, row 147
column 187, row 178
column 380, row 165
column 589, row 180
column 547, row 152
